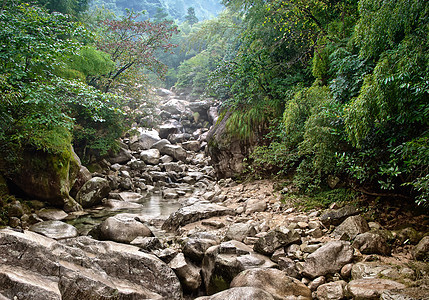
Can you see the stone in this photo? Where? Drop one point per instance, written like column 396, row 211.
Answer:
column 188, row 274
column 175, row 151
column 193, row 146
column 47, row 214
column 351, row 227
column 372, row 243
column 195, row 212
column 328, row 259
column 146, row 140
column 363, row 270
column 331, row 291
column 370, row 288
column 337, row 216
column 276, row 238
column 239, row 231
column 147, row 243
column 273, row 281
column 195, row 248
column 55, row 229
column 166, row 129
column 150, row 156
column 15, row 209
column 411, row 293
column 288, row 266
column 121, row 157
column 346, row 271
column 239, row 293
column 130, row 196
column 421, row 251
column 123, row 228
column 316, row 283
column 255, row 205
column 160, row 144
column 175, row 106
column 93, row 191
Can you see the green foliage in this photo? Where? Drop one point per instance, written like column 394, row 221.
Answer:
column 324, row 199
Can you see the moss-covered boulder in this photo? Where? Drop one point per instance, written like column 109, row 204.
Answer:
column 47, row 176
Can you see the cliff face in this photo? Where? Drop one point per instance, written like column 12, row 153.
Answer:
column 177, row 9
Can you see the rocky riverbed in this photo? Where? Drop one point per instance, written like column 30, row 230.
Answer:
column 158, row 224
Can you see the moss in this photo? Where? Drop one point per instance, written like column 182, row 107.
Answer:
column 218, row 284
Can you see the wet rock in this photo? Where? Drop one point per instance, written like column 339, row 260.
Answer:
column 421, row 251
column 239, row 293
column 332, row 291
column 370, row 288
column 351, row 227
column 371, row 243
column 55, row 229
column 123, row 228
column 47, row 214
column 93, row 191
column 150, row 156
column 273, row 281
column 188, row 274
column 328, row 259
column 274, row 239
column 193, row 213
column 239, row 231
column 337, row 216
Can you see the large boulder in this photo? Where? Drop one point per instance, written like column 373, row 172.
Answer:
column 372, row 243
column 145, row 140
column 276, row 238
column 332, row 290
column 226, row 151
column 80, row 268
column 351, row 227
column 337, row 216
column 328, row 259
column 371, row 288
column 150, row 156
column 188, row 274
column 175, row 151
column 93, row 191
column 273, row 281
column 55, row 229
column 240, row 293
column 123, row 228
column 48, row 177
column 175, row 106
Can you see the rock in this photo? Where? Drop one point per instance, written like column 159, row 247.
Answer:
column 288, row 266
column 123, row 228
column 316, row 283
column 328, row 259
column 195, row 248
column 47, row 214
column 130, row 196
column 239, row 293
column 346, row 271
column 147, row 243
column 239, row 231
column 150, row 156
column 363, row 270
column 173, row 167
column 121, row 157
column 255, row 205
column 351, row 227
column 93, row 191
column 193, row 213
column 421, row 251
column 332, row 291
column 413, row 293
column 273, row 281
column 55, row 229
column 193, row 146
column 188, row 274
column 213, row 115
column 47, row 177
column 371, row 243
column 337, row 216
column 160, row 144
column 175, row 106
column 223, row 262
column 146, row 140
column 370, row 288
column 179, row 138
column 81, row 268
column 15, row 209
column 164, row 92
column 166, row 129
column 175, row 151
column 279, row 237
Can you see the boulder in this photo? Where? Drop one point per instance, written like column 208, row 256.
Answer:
column 47, row 214
column 164, row 92
column 328, row 259
column 123, row 228
column 82, row 177
column 175, row 151
column 411, row 293
column 80, row 268
column 371, row 243
column 195, row 248
column 146, row 140
column 55, row 229
column 93, row 191
column 362, row 270
column 370, row 288
column 273, row 281
column 169, row 128
column 188, row 274
column 150, row 156
column 213, row 115
column 255, row 205
column 351, row 227
column 175, row 106
column 276, row 238
column 193, row 146
column 239, row 293
column 337, row 216
column 121, row 157
column 332, row 290
column 421, row 251
column 48, row 177
column 223, row 262
column 195, row 212
column 239, row 231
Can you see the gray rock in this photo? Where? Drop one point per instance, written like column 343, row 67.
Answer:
column 421, row 251
column 332, row 291
column 175, row 106
column 274, row 239
column 362, row 270
column 145, row 140
column 371, row 243
column 337, row 216
column 213, row 115
column 195, row 248
column 239, row 231
column 122, row 157
column 188, row 274
column 351, row 227
column 370, row 288
column 255, row 205
column 175, row 151
column 288, row 266
column 147, row 243
column 273, row 281
column 166, row 129
column 80, row 268
column 193, row 146
column 193, row 213
column 328, row 259
column 150, row 156
column 55, row 229
column 160, row 144
column 316, row 283
column 239, row 293
column 412, row 293
column 123, row 228
column 173, row 167
column 93, row 191
column 52, row 214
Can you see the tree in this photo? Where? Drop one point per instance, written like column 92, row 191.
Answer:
column 132, row 45
column 191, row 18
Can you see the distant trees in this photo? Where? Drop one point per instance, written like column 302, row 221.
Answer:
column 191, row 18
